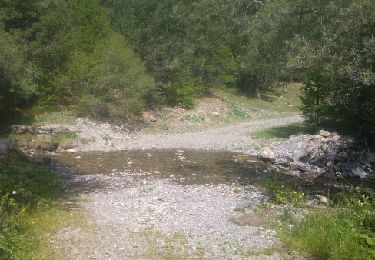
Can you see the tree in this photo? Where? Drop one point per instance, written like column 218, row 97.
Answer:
column 16, row 76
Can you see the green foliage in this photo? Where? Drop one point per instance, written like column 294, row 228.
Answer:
column 27, row 184
column 16, row 75
column 185, row 43
column 237, row 112
column 195, row 119
column 348, row 231
column 336, row 62
column 25, row 190
column 76, row 56
column 108, row 83
column 63, row 140
column 283, row 193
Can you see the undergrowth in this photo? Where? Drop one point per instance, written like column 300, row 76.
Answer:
column 343, row 230
column 281, row 192
column 29, row 210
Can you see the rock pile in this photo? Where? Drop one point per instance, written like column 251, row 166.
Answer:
column 39, row 130
column 327, row 154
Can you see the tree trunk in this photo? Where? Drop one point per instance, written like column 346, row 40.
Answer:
column 257, row 92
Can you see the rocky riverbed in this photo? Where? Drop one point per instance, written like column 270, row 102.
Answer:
column 158, row 204
column 198, row 197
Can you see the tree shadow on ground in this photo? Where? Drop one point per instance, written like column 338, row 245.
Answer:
column 283, row 132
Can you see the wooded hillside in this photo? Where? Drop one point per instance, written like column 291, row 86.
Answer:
column 112, row 59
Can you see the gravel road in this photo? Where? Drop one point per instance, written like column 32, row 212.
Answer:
column 234, row 137
column 137, row 215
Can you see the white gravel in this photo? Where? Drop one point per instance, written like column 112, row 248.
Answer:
column 236, row 137
column 156, row 219
column 138, row 218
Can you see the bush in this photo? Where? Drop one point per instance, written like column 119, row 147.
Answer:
column 183, row 94
column 25, row 189
column 16, row 86
column 109, row 83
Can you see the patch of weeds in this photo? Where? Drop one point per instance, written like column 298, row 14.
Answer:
column 284, row 132
column 269, row 251
column 240, row 209
column 23, row 138
column 65, row 117
column 347, row 231
column 237, row 190
column 273, row 100
column 107, row 139
column 287, row 215
column 64, row 139
column 30, row 211
column 237, row 112
column 162, row 128
column 174, row 246
column 195, row 119
column 283, row 193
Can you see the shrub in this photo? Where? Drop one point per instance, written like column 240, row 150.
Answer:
column 109, row 83
column 25, row 190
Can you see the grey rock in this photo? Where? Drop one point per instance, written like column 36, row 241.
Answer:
column 23, row 129
column 61, row 130
column 323, row 199
column 298, row 155
column 44, row 130
column 7, row 145
column 324, row 133
column 359, row 172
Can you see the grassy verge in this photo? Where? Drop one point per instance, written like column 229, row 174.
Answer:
column 274, row 100
column 30, row 211
column 284, row 132
column 343, row 230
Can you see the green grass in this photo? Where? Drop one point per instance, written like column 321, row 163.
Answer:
column 282, row 193
column 237, row 112
column 331, row 236
column 64, row 139
column 274, row 100
column 66, row 117
column 284, row 132
column 30, row 211
column 344, row 231
column 194, row 119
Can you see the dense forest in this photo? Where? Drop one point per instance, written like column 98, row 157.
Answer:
column 112, row 59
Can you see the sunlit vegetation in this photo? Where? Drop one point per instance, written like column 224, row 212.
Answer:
column 30, row 211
